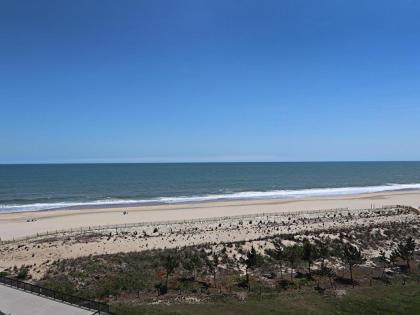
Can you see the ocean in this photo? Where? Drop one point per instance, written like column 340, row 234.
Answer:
column 50, row 186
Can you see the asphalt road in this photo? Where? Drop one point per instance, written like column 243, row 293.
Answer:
column 17, row 302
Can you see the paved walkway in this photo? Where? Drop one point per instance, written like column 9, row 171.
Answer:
column 17, row 302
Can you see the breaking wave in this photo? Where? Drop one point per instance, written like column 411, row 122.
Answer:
column 273, row 194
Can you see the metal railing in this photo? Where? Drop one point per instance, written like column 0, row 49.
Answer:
column 99, row 307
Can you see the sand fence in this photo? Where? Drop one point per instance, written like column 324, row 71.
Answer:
column 99, row 228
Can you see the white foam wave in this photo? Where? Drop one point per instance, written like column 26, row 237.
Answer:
column 300, row 193
column 58, row 205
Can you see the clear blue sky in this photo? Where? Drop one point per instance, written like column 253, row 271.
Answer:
column 126, row 81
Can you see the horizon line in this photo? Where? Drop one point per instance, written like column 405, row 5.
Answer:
column 207, row 162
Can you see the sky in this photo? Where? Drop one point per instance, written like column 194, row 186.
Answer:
column 220, row 80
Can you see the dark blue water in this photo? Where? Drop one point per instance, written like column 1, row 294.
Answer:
column 36, row 187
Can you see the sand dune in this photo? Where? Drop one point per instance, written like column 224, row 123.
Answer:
column 16, row 225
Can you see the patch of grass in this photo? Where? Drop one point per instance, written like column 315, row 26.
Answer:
column 187, row 281
column 124, row 273
column 101, row 276
column 395, row 299
column 133, row 310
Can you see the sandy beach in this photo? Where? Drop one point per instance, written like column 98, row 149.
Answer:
column 15, row 224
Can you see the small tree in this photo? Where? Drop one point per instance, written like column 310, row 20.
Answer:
column 323, row 251
column 351, row 256
column 293, row 255
column 197, row 264
column 309, row 254
column 385, row 261
column 23, row 273
column 278, row 255
column 250, row 263
column 213, row 265
column 329, row 272
column 188, row 265
column 405, row 250
column 170, row 263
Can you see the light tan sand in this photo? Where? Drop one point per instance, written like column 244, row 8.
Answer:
column 40, row 252
column 16, row 225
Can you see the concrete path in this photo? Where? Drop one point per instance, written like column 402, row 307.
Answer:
column 17, row 302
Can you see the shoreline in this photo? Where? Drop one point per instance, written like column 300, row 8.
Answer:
column 14, row 224
column 238, row 196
